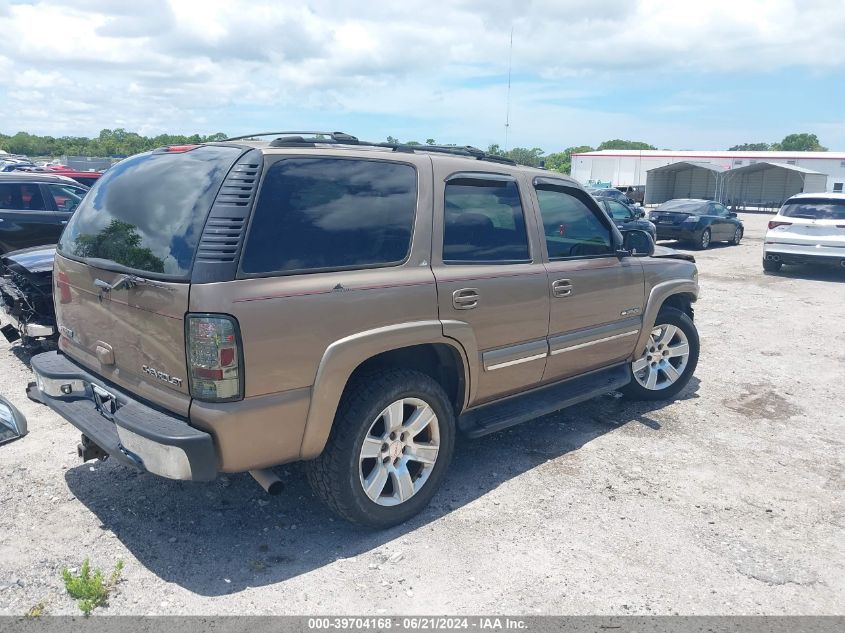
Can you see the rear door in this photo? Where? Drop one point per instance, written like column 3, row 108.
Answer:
column 26, row 219
column 144, row 218
column 489, row 271
column 597, row 298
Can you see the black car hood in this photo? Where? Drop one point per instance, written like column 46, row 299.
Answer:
column 36, row 259
column 671, row 253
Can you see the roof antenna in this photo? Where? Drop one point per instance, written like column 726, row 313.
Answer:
column 508, row 102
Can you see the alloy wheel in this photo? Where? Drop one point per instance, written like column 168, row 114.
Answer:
column 664, row 360
column 705, row 239
column 399, row 451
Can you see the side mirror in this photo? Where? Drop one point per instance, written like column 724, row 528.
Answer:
column 636, row 243
column 731, row 214
column 641, row 213
column 12, row 422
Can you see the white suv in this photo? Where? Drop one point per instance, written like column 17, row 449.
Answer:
column 808, row 229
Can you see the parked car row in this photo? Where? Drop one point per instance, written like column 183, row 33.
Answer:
column 351, row 307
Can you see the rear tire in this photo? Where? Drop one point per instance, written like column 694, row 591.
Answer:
column 374, row 446
column 771, row 267
column 668, row 360
column 704, row 239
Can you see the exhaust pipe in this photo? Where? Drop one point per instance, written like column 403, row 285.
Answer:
column 842, row 263
column 268, row 480
column 776, row 258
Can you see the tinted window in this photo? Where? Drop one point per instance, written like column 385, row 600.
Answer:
column 147, row 212
column 618, row 211
column 571, row 228
column 695, row 207
column 328, row 213
column 814, row 209
column 21, row 197
column 483, row 222
column 66, row 197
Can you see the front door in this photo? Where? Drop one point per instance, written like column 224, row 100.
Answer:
column 597, row 298
column 490, row 276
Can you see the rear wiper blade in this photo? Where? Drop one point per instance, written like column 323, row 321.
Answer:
column 128, row 282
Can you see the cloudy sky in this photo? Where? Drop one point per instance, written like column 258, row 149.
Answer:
column 681, row 74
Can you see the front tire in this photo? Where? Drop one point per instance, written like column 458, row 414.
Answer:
column 669, row 359
column 737, row 236
column 771, row 267
column 389, row 448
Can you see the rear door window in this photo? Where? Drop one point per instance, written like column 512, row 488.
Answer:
column 484, row 223
column 318, row 214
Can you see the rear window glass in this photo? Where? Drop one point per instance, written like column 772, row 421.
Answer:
column 147, row 212
column 814, row 209
column 331, row 213
column 684, row 206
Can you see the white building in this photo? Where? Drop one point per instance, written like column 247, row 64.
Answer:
column 630, row 167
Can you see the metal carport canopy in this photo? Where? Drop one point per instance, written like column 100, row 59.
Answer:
column 685, row 179
column 769, row 184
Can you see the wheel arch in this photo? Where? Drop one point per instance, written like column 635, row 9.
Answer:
column 420, row 345
column 676, row 293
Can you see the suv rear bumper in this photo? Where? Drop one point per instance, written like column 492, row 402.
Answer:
column 803, row 254
column 131, row 432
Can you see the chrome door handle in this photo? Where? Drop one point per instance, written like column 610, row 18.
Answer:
column 562, row 288
column 465, row 298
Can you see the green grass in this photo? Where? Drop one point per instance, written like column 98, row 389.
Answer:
column 36, row 611
column 90, row 588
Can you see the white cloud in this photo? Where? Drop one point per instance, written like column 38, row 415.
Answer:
column 180, row 65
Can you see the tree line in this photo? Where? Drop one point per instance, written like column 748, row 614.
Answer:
column 802, row 142
column 120, row 143
column 117, row 142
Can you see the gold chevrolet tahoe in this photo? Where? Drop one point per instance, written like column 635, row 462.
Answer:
column 232, row 306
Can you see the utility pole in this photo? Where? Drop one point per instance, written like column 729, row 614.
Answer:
column 508, row 101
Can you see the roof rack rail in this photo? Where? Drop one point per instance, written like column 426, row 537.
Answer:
column 346, row 137
column 293, row 138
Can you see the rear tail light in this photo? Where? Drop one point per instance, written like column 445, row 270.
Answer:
column 215, row 368
column 63, row 286
column 773, row 224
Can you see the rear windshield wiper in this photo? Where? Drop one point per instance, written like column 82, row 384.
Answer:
column 128, row 282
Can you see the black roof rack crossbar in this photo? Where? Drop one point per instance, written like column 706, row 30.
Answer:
column 455, row 150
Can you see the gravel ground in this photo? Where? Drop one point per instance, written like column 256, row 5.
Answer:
column 728, row 501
